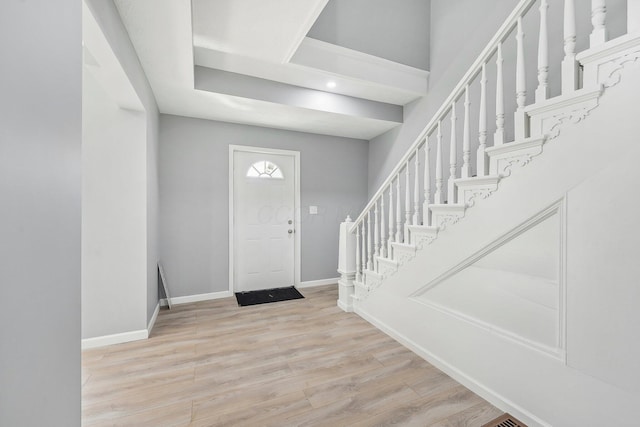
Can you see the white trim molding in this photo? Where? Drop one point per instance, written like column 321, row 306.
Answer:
column 153, row 319
column 296, row 207
column 123, row 337
column 351, row 63
column 488, row 394
column 320, row 282
column 197, row 298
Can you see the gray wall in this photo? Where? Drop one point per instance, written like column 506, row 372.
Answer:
column 452, row 53
column 391, row 29
column 40, row 136
column 194, row 197
column 108, row 18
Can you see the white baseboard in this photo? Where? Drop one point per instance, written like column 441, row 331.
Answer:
column 104, row 340
column 321, row 282
column 197, row 298
column 481, row 390
column 154, row 317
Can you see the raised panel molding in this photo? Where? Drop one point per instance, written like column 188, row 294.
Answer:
column 558, row 351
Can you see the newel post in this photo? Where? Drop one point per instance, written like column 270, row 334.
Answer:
column 346, row 265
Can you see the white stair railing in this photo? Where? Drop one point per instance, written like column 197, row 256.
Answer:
column 385, row 236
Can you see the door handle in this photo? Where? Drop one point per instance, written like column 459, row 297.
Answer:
column 290, row 231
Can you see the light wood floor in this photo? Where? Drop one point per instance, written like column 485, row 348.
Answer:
column 302, row 362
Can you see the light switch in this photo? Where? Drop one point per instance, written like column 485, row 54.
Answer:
column 313, row 210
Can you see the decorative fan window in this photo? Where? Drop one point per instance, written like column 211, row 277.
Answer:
column 264, row 169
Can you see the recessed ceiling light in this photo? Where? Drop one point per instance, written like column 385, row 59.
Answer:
column 331, row 84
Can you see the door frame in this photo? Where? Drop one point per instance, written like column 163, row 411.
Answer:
column 296, row 207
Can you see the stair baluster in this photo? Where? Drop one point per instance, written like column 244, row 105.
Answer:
column 498, row 137
column 427, row 184
column 407, row 203
column 520, row 117
column 416, row 190
column 465, row 172
column 482, row 125
column 542, row 92
column 599, row 34
column 369, row 243
column 437, row 198
column 570, row 66
column 398, row 212
column 376, row 237
column 383, row 229
column 358, row 260
column 453, row 157
column 391, row 223
column 363, row 261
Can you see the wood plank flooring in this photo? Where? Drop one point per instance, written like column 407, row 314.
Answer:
column 293, row 363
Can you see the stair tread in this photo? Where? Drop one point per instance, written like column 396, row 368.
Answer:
column 447, row 206
column 475, row 180
column 387, row 260
column 423, row 228
column 515, row 145
column 403, row 245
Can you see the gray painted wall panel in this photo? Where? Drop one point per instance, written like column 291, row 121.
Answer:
column 390, row 29
column 40, row 137
column 194, row 197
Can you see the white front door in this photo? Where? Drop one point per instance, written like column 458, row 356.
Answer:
column 264, row 221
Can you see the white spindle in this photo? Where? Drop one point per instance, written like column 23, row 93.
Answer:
column 376, row 237
column 569, row 64
column 407, row 203
column 521, row 80
column 416, row 190
column 358, row 261
column 383, row 229
column 598, row 20
column 482, row 124
column 542, row 92
column 521, row 85
column 364, row 250
column 466, row 138
column 398, row 212
column 369, row 243
column 437, row 198
column 453, row 158
column 427, row 184
column 498, row 137
column 633, row 16
column 391, row 223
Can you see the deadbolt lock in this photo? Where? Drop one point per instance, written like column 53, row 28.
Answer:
column 289, row 222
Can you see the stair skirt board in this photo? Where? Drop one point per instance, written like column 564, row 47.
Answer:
column 478, row 388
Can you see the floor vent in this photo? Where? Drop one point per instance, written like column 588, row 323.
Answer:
column 505, row 420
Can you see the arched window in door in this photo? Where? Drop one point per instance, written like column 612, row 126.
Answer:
column 264, row 169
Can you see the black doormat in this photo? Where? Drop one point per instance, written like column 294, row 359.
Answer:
column 267, row 295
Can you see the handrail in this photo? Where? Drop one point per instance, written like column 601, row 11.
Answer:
column 506, row 27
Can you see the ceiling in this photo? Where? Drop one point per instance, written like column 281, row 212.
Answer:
column 250, row 62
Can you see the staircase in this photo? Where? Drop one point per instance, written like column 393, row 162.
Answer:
column 387, row 254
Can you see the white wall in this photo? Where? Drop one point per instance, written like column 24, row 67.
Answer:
column 114, row 215
column 194, row 197
column 107, row 16
column 40, row 135
column 593, row 167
